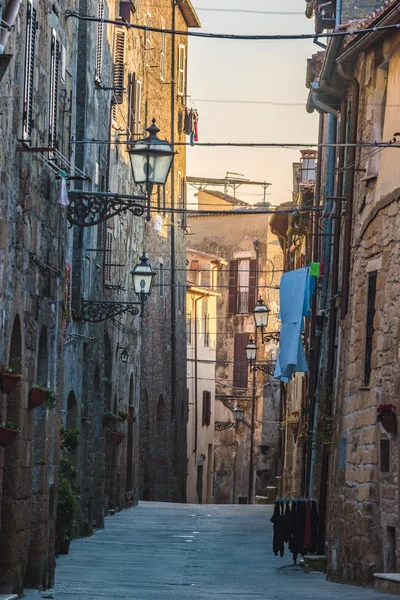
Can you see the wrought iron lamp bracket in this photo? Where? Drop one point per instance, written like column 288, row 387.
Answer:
column 269, row 336
column 87, row 209
column 96, row 311
column 267, row 367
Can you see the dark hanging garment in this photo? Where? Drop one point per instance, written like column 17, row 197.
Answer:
column 277, row 519
column 298, row 542
column 314, row 526
column 307, row 528
column 187, row 125
column 292, row 540
column 287, row 524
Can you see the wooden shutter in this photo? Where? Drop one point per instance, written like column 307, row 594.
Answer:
column 252, row 285
column 240, row 361
column 131, row 103
column 53, row 104
column 233, row 282
column 181, row 70
column 147, row 41
column 125, row 8
column 99, row 44
column 138, row 105
column 29, row 70
column 206, row 411
column 118, row 77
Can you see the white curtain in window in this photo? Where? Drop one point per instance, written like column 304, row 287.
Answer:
column 243, row 275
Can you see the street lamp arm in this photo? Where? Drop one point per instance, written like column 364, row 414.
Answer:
column 267, row 367
column 96, row 311
column 87, row 209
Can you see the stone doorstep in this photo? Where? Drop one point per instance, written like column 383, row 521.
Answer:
column 387, row 582
column 315, row 563
column 8, row 596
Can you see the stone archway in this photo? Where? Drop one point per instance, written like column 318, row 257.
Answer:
column 130, row 442
column 161, row 491
column 72, row 411
column 99, row 464
column 145, row 438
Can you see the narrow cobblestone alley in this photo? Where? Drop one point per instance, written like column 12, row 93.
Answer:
column 187, row 552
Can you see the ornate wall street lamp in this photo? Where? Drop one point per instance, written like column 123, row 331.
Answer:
column 96, row 311
column 151, row 161
column 267, row 366
column 261, row 316
column 124, row 354
column 238, row 414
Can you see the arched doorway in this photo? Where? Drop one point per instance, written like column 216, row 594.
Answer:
column 72, row 411
column 108, row 405
column 99, row 467
column 145, row 438
column 161, row 494
column 130, row 442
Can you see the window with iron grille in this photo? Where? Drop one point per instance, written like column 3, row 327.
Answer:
column 99, row 43
column 189, row 328
column 108, row 256
column 27, row 121
column 206, row 416
column 118, row 78
column 53, row 101
column 370, row 325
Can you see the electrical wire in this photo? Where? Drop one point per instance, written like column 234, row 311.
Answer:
column 232, row 36
column 247, row 11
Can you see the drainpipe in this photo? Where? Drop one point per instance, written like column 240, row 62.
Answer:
column 10, row 16
column 172, row 217
column 322, row 106
column 336, row 244
column 350, row 189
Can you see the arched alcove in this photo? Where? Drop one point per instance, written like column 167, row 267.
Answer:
column 42, row 371
column 108, row 364
column 72, row 411
column 145, row 438
column 130, row 441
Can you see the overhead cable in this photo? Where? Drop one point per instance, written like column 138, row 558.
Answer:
column 232, row 36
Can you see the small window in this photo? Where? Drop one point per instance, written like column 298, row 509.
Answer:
column 161, row 279
column 99, row 43
column 163, row 50
column 125, row 7
column 147, row 40
column 206, row 329
column 30, row 41
column 206, row 416
column 370, row 325
column 53, row 101
column 181, row 70
column 179, row 202
column 189, row 327
column 242, row 286
column 385, row 456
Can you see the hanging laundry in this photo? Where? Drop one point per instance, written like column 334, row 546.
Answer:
column 187, row 125
column 296, row 522
column 63, row 193
column 196, row 128
column 322, row 270
column 191, row 125
column 315, row 269
column 278, row 541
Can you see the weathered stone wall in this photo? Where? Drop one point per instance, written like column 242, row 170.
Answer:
column 364, row 536
column 32, row 229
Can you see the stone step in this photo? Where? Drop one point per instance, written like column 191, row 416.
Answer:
column 8, row 596
column 315, row 563
column 388, row 583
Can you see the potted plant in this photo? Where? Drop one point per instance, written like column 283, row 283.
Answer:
column 123, row 415
column 9, row 380
column 117, row 437
column 293, row 422
column 109, row 418
column 40, row 394
column 8, row 433
column 69, row 438
column 387, row 416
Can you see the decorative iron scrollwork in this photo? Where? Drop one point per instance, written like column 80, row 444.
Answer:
column 87, row 209
column 222, row 425
column 267, row 367
column 270, row 336
column 96, row 311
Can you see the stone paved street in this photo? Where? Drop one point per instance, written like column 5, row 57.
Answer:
column 187, row 552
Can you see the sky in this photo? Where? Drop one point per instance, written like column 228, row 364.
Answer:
column 268, row 71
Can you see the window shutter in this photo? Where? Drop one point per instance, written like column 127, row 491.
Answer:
column 29, row 70
column 240, row 361
column 206, row 410
column 252, row 285
column 138, row 106
column 53, row 104
column 233, row 282
column 118, row 78
column 131, row 103
column 181, row 70
column 147, row 41
column 99, row 44
column 203, row 416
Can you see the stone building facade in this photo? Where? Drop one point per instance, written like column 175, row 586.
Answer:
column 73, row 93
column 254, row 264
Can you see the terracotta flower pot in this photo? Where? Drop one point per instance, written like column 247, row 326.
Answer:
column 7, row 436
column 37, row 397
column 106, row 421
column 389, row 423
column 117, row 437
column 9, row 382
column 294, row 428
column 328, row 447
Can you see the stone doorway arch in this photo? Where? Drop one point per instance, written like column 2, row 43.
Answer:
column 161, row 492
